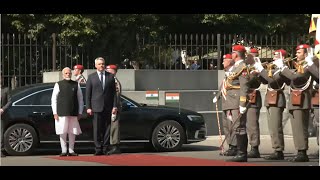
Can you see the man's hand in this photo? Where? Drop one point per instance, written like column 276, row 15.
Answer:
column 56, row 117
column 278, row 63
column 79, row 116
column 258, row 66
column 242, row 109
column 1, row 110
column 114, row 110
column 89, row 111
column 214, row 100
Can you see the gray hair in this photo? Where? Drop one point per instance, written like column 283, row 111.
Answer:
column 97, row 59
column 64, row 69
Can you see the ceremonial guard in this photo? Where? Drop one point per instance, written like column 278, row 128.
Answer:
column 300, row 101
column 237, row 93
column 231, row 139
column 275, row 102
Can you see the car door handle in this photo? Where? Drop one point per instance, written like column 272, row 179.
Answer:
column 41, row 113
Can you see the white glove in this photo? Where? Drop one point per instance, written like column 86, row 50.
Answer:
column 278, row 63
column 257, row 59
column 309, row 60
column 113, row 117
column 242, row 109
column 214, row 100
column 258, row 66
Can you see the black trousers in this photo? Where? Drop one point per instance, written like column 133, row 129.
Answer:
column 101, row 129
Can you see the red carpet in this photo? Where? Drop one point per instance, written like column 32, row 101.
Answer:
column 151, row 160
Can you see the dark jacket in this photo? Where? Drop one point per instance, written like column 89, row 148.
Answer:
column 98, row 99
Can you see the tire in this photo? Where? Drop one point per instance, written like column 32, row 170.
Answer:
column 168, row 136
column 20, row 140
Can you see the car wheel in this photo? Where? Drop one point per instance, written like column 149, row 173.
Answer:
column 20, row 140
column 168, row 136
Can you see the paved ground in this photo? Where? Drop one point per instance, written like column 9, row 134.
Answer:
column 204, row 150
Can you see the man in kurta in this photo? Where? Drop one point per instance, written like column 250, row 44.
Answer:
column 67, row 107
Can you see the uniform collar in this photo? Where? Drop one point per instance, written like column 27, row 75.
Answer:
column 238, row 62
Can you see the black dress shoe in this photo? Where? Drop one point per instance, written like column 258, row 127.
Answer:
column 300, row 157
column 232, row 151
column 238, row 158
column 73, row 154
column 114, row 150
column 277, row 155
column 254, row 153
column 63, row 154
column 229, row 152
column 98, row 153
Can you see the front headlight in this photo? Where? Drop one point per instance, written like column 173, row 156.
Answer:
column 195, row 118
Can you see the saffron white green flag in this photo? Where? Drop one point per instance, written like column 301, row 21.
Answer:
column 172, row 97
column 152, row 95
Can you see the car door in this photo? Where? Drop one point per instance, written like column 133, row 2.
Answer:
column 131, row 121
column 85, row 122
column 42, row 115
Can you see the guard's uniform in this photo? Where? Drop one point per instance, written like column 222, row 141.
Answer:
column 314, row 71
column 81, row 79
column 253, row 113
column 275, row 102
column 227, row 115
column 299, row 105
column 237, row 91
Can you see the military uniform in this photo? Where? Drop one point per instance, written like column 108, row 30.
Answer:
column 299, row 106
column 81, row 79
column 237, row 91
column 227, row 119
column 253, row 113
column 314, row 71
column 275, row 108
column 115, row 124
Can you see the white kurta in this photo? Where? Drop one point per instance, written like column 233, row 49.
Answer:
column 66, row 124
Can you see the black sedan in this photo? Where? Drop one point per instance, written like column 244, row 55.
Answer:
column 29, row 121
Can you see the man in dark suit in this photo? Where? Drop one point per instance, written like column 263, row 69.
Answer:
column 5, row 102
column 101, row 102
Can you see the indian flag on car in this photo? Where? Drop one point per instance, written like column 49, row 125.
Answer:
column 172, row 97
column 152, row 95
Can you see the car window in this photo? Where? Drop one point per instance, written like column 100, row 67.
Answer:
column 43, row 98
column 126, row 102
column 37, row 98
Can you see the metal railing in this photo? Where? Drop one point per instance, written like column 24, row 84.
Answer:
column 24, row 59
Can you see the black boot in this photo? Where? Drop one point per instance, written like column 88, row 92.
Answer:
column 242, row 145
column 232, row 151
column 114, row 150
column 254, row 153
column 300, row 157
column 277, row 155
